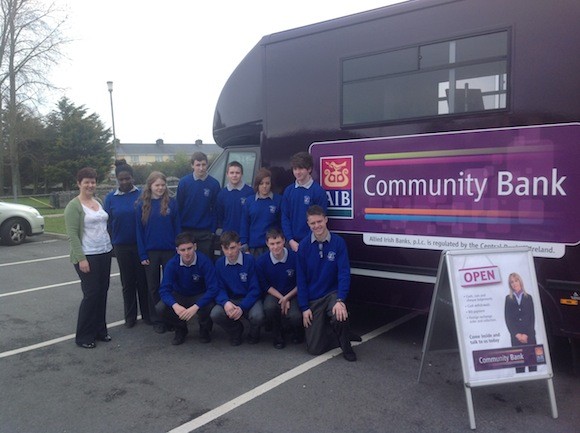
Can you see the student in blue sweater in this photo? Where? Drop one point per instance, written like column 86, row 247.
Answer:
column 196, row 200
column 239, row 294
column 298, row 197
column 121, row 204
column 277, row 276
column 157, row 226
column 189, row 287
column 260, row 213
column 231, row 198
column 323, row 277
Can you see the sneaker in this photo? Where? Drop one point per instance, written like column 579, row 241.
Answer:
column 179, row 337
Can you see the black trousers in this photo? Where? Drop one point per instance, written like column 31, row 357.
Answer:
column 171, row 319
column 92, row 322
column 325, row 332
column 157, row 261
column 134, row 282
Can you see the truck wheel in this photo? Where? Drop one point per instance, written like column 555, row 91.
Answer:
column 13, row 231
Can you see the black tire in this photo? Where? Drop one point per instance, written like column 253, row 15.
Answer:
column 13, row 231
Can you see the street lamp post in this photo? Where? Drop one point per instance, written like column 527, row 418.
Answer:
column 110, row 87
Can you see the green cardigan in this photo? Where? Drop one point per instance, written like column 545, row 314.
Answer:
column 74, row 221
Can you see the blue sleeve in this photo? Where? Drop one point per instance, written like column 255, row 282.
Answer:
column 107, row 208
column 220, row 209
column 140, row 233
column 167, row 282
column 211, row 282
column 286, row 214
column 245, row 223
column 254, row 291
column 222, row 294
column 321, row 198
column 301, row 279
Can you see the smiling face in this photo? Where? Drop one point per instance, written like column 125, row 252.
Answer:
column 302, row 175
column 158, row 188
column 317, row 224
column 87, row 186
column 276, row 247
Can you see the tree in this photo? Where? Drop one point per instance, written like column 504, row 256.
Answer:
column 76, row 140
column 30, row 43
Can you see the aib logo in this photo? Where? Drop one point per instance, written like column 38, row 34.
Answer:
column 337, row 180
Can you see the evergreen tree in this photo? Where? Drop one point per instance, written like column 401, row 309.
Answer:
column 76, row 140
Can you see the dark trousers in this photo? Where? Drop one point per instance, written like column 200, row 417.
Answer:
column 157, row 260
column 134, row 282
column 203, row 239
column 92, row 322
column 325, row 332
column 273, row 313
column 234, row 328
column 170, row 318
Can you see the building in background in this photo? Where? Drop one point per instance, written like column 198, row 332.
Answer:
column 145, row 153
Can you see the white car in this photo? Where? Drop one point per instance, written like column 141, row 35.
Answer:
column 18, row 221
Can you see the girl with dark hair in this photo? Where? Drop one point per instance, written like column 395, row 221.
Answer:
column 121, row 204
column 157, row 226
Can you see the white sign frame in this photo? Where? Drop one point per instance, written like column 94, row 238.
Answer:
column 474, row 286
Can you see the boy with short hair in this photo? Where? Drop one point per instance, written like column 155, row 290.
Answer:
column 239, row 294
column 196, row 201
column 231, row 198
column 189, row 287
column 277, row 276
column 298, row 197
column 323, row 276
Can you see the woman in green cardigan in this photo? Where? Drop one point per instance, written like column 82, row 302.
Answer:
column 90, row 246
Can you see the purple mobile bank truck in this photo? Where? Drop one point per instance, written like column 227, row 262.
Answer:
column 434, row 125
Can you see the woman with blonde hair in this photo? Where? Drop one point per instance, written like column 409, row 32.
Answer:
column 157, row 226
column 519, row 315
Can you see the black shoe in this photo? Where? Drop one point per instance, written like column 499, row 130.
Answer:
column 105, row 338
column 253, row 339
column 236, row 339
column 354, row 337
column 279, row 343
column 349, row 356
column 130, row 323
column 87, row 345
column 298, row 336
column 204, row 336
column 159, row 328
column 179, row 337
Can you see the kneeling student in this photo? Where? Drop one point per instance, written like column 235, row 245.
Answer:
column 189, row 287
column 323, row 276
column 277, row 276
column 239, row 291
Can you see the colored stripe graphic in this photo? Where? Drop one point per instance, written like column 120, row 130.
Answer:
column 451, row 153
column 475, row 216
column 453, row 219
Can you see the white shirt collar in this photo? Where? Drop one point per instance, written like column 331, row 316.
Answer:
column 307, row 185
column 282, row 260
column 239, row 260
column 230, row 187
column 192, row 263
column 270, row 195
column 313, row 238
column 119, row 192
column 200, row 178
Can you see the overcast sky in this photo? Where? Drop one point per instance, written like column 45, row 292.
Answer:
column 169, row 59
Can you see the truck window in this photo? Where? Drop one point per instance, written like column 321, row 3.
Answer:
column 455, row 76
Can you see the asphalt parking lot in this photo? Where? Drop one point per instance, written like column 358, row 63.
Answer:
column 140, row 383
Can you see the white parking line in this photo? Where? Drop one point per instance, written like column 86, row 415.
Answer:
column 279, row 380
column 25, row 262
column 50, row 342
column 51, row 286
